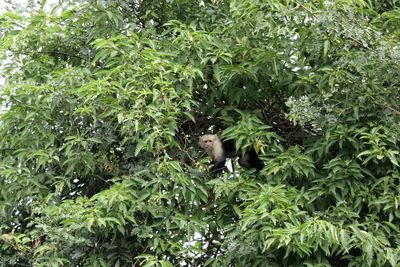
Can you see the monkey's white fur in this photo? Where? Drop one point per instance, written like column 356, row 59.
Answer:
column 213, row 146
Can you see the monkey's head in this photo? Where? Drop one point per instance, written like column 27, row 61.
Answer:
column 207, row 142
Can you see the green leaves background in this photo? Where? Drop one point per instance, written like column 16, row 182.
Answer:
column 104, row 101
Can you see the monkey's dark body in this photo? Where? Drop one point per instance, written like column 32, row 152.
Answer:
column 248, row 160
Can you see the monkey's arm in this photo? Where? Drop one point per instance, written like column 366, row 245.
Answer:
column 218, row 167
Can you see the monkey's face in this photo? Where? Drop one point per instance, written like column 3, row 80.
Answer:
column 207, row 143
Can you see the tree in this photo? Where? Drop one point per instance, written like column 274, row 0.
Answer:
column 104, row 101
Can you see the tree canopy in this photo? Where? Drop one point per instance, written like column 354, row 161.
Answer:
column 104, row 101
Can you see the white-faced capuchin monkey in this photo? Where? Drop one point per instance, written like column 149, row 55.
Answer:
column 220, row 150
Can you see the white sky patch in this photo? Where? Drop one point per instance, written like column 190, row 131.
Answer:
column 24, row 3
column 21, row 4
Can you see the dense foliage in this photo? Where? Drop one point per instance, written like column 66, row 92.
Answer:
column 104, row 101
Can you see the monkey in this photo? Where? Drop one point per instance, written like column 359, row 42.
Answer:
column 219, row 151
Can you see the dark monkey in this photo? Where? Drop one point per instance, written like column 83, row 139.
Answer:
column 219, row 151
